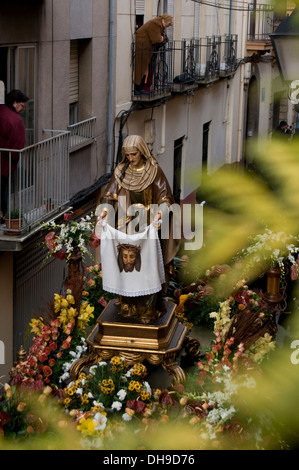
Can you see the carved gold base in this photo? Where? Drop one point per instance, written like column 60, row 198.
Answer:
column 157, row 343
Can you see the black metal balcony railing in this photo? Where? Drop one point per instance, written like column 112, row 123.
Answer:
column 181, row 65
column 262, row 21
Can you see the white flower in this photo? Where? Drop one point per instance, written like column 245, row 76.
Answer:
column 147, row 387
column 101, row 421
column 102, row 363
column 126, row 417
column 92, row 369
column 121, row 394
column 79, row 391
column 116, row 405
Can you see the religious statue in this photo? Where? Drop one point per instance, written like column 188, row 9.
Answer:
column 136, row 260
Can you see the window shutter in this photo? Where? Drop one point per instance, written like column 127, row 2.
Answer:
column 170, row 11
column 74, row 72
column 140, row 7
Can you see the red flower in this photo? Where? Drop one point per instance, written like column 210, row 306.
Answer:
column 102, row 301
column 165, row 399
column 94, row 241
column 136, row 405
column 53, row 346
column 43, row 357
column 67, row 216
column 60, row 254
column 67, row 343
column 242, row 297
column 47, row 371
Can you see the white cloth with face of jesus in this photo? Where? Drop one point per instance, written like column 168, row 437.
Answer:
column 132, row 265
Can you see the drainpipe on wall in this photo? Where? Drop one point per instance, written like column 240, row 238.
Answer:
column 241, row 97
column 2, row 92
column 110, row 87
column 163, row 130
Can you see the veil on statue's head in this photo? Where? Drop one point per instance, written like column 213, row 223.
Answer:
column 132, row 179
column 133, row 142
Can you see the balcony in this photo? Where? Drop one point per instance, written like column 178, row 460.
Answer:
column 82, row 133
column 39, row 187
column 262, row 21
column 181, row 66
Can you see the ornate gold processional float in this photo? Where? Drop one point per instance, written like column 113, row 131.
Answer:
column 139, row 325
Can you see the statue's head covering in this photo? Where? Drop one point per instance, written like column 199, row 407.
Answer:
column 136, row 142
column 133, row 179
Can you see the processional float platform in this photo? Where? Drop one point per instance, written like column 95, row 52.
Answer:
column 158, row 343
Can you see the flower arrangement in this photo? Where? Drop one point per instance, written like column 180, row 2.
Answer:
column 210, row 398
column 73, row 234
column 56, row 345
column 111, row 394
column 270, row 249
column 93, row 291
column 245, row 316
column 196, row 300
column 110, row 387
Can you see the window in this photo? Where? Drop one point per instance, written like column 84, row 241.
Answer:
column 205, row 145
column 18, row 70
column 140, row 12
column 74, row 82
column 177, row 168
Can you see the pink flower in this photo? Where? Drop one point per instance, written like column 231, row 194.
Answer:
column 102, row 301
column 50, row 240
column 67, row 216
column 94, row 241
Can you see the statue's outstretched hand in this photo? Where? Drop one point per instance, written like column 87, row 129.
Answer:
column 157, row 220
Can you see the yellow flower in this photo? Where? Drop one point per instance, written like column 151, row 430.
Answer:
column 64, row 303
column 70, row 299
column 36, row 326
column 57, row 303
column 72, row 312
column 87, row 426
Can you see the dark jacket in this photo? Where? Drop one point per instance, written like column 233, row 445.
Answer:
column 12, row 136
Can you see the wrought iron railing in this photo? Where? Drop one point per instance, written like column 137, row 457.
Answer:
column 40, row 183
column 182, row 64
column 262, row 20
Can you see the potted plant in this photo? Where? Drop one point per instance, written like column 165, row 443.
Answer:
column 49, row 205
column 13, row 220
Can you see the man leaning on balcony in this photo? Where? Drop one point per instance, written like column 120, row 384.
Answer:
column 148, row 39
column 12, row 136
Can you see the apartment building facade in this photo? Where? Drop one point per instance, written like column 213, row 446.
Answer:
column 57, row 53
column 232, row 89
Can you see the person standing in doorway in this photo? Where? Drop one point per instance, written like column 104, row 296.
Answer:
column 12, row 136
